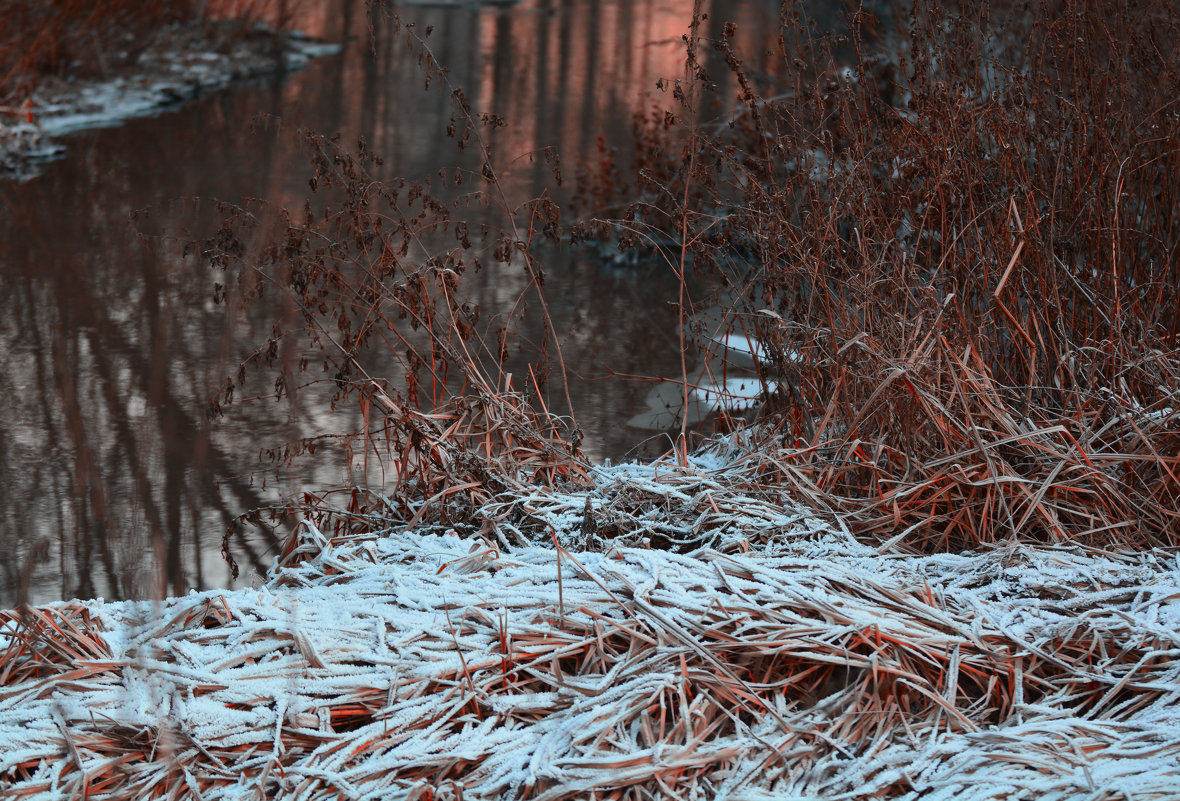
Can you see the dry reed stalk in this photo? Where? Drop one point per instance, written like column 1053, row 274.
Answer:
column 1098, row 476
column 443, row 466
column 49, row 642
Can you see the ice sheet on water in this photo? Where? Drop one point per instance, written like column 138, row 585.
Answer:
column 735, row 394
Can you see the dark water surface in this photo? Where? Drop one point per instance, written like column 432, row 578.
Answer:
column 112, row 480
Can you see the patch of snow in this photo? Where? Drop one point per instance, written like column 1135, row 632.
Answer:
column 739, row 343
column 742, row 344
column 173, row 70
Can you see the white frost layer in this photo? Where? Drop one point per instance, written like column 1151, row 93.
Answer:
column 396, row 622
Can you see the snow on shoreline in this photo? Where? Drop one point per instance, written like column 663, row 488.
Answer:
column 179, row 65
column 397, row 663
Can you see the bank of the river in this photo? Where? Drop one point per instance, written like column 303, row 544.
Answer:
column 775, row 657
column 178, row 63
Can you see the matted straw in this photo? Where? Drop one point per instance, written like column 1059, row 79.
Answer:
column 779, row 659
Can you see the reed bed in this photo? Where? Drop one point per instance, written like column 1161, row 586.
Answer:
column 987, row 469
column 774, row 656
column 951, row 245
column 949, row 230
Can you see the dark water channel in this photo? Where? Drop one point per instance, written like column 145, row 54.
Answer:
column 112, row 481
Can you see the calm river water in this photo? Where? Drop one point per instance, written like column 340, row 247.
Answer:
column 112, row 481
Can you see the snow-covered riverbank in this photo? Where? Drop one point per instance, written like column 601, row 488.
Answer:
column 781, row 660
column 177, row 65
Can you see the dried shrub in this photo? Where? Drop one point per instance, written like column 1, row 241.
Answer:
column 958, row 252
column 368, row 281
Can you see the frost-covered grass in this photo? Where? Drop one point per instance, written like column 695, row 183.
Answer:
column 781, row 660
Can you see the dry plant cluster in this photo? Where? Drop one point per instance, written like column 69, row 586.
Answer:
column 957, row 247
column 40, row 39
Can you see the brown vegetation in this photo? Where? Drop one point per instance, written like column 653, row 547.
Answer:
column 960, row 247
column 95, row 38
column 961, row 258
column 957, row 247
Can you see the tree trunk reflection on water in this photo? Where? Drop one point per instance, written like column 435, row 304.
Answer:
column 112, row 480
column 112, row 471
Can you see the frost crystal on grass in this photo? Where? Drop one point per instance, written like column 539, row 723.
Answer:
column 773, row 657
